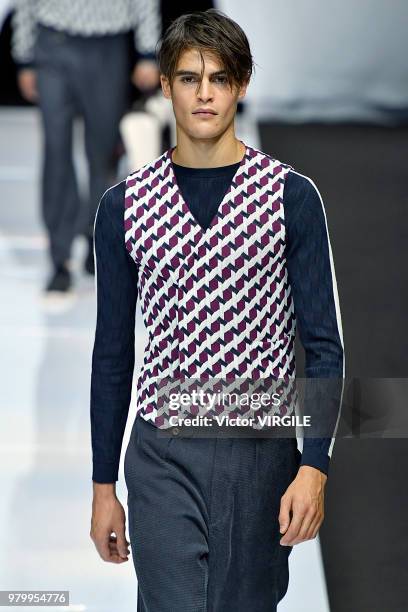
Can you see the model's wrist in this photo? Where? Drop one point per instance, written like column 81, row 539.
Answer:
column 314, row 471
column 314, row 456
column 104, row 489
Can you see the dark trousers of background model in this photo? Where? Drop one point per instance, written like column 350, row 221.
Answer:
column 88, row 76
column 203, row 520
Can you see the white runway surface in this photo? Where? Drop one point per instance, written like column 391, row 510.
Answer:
column 45, row 454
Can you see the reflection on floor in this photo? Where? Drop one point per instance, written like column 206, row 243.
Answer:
column 45, row 460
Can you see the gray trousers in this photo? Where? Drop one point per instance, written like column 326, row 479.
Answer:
column 203, row 520
column 86, row 76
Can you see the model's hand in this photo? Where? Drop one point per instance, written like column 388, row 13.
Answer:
column 27, row 83
column 305, row 497
column 145, row 75
column 108, row 516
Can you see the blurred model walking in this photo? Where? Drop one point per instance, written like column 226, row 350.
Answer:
column 73, row 58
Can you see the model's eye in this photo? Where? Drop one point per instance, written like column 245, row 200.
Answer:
column 222, row 80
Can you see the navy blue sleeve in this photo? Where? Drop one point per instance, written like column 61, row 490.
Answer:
column 113, row 351
column 314, row 290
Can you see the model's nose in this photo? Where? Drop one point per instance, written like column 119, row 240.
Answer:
column 205, row 90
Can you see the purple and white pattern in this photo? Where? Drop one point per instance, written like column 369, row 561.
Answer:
column 217, row 302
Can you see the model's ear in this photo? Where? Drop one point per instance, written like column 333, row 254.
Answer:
column 243, row 89
column 165, row 85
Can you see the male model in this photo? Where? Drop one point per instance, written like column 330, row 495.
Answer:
column 227, row 249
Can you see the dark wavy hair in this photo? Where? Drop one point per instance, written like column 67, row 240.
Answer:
column 212, row 31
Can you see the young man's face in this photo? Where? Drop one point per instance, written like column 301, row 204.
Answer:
column 188, row 95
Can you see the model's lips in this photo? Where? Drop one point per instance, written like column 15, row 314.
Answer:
column 204, row 111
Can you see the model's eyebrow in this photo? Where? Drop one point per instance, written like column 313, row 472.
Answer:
column 193, row 73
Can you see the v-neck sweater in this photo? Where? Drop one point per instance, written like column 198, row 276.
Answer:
column 197, row 184
column 311, row 275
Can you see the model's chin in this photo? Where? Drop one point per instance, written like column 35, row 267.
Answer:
column 204, row 128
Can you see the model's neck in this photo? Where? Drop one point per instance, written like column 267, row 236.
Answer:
column 208, row 153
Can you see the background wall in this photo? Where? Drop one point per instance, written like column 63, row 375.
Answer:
column 326, row 60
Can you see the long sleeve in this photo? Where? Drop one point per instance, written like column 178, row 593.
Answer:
column 313, row 283
column 114, row 351
column 148, row 27
column 23, row 35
